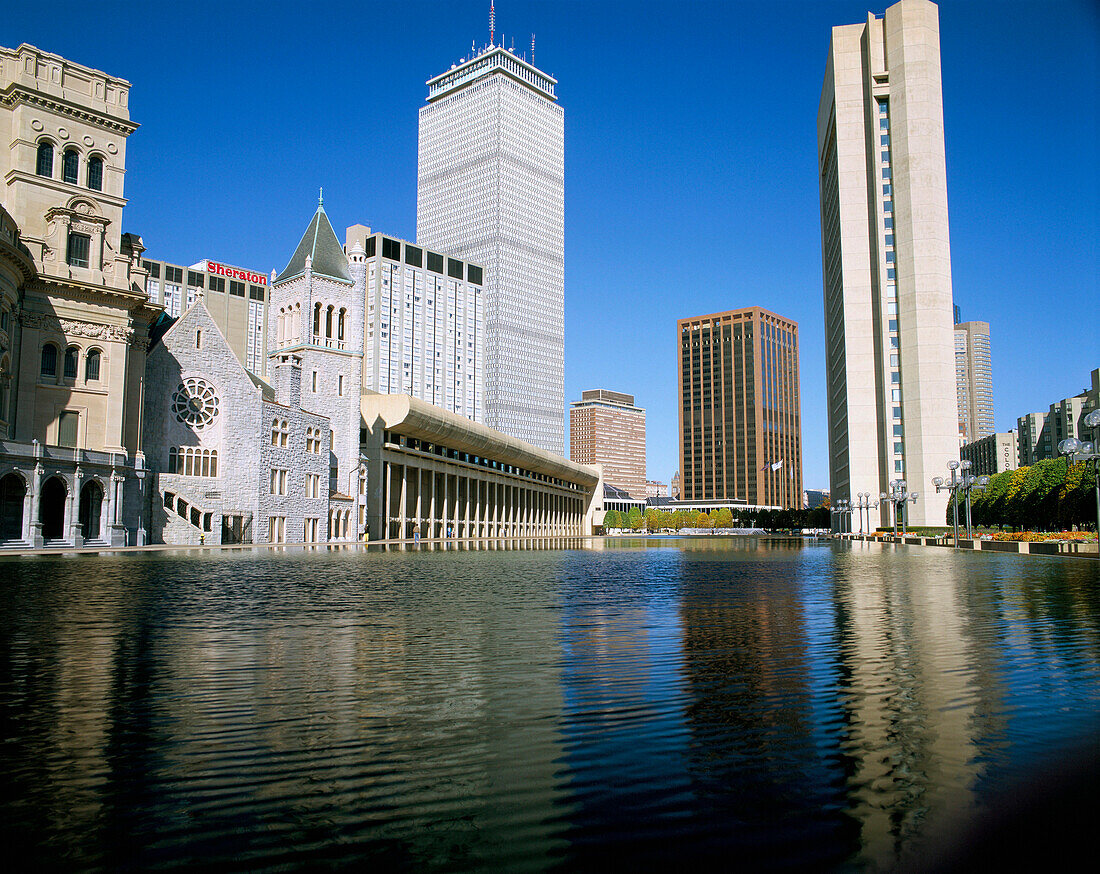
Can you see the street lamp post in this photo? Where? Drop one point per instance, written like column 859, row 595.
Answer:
column 899, row 497
column 963, row 481
column 865, row 504
column 1086, row 450
column 951, row 486
column 843, row 507
column 969, row 483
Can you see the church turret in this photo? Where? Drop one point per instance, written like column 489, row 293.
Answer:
column 317, row 313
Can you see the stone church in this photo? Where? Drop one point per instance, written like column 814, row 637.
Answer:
column 231, row 458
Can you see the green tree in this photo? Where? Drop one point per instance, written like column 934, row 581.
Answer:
column 723, row 518
column 611, row 520
column 634, row 519
column 653, row 519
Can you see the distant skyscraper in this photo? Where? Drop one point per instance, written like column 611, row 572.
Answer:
column 740, row 414
column 974, row 379
column 891, row 389
column 491, row 188
column 606, row 428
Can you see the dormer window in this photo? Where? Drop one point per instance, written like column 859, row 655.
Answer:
column 70, row 167
column 95, row 174
column 44, row 165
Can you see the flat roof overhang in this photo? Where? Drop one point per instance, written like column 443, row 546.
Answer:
column 413, row 417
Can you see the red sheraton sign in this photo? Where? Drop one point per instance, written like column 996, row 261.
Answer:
column 234, row 273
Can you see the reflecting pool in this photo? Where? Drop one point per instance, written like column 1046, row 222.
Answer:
column 750, row 704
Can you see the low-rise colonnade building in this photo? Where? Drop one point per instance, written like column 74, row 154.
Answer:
column 434, row 474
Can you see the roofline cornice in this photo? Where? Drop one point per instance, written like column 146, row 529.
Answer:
column 15, row 94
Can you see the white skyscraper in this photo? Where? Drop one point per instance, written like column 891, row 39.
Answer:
column 890, row 356
column 491, row 189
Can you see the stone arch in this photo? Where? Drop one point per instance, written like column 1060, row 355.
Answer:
column 51, row 507
column 13, row 498
column 91, row 509
column 83, row 205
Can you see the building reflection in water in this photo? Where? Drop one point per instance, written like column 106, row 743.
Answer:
column 911, row 680
column 758, row 772
column 754, row 703
column 282, row 700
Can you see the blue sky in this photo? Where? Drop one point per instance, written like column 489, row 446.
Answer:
column 691, row 175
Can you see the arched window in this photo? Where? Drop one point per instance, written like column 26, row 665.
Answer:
column 275, row 432
column 72, row 354
column 70, row 166
column 296, row 326
column 44, row 165
column 173, row 460
column 91, row 366
column 49, row 360
column 340, row 325
column 95, row 174
column 316, row 320
column 214, row 462
column 328, row 322
column 280, row 327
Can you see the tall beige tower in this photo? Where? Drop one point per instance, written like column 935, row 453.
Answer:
column 974, row 378
column 886, row 259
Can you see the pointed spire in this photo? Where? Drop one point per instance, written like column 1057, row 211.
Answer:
column 318, row 250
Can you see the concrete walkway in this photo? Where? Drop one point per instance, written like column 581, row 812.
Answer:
column 335, row 545
column 1076, row 548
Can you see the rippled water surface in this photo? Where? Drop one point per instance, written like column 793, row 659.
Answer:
column 736, row 703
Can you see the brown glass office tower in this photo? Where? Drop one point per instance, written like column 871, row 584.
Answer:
column 740, row 413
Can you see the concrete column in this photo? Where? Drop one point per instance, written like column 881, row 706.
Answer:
column 386, row 474
column 431, row 507
column 420, row 500
column 467, row 525
column 446, row 500
column 72, row 508
column 403, row 528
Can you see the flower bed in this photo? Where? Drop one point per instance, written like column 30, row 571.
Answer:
column 1038, row 537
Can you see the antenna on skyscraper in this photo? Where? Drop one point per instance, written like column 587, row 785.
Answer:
column 532, row 48
column 492, row 22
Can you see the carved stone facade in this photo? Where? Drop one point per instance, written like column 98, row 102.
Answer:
column 76, row 329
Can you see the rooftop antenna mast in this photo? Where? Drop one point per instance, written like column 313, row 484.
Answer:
column 492, row 22
column 532, row 49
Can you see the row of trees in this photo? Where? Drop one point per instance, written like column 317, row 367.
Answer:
column 1050, row 495
column 655, row 520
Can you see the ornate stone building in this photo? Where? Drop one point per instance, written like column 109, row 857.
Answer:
column 233, row 459
column 71, row 463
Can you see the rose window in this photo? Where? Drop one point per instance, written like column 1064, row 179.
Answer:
column 195, row 403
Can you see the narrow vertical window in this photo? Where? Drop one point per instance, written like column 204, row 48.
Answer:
column 79, row 245
column 91, row 366
column 71, row 356
column 44, row 164
column 67, row 428
column 49, row 360
column 95, row 174
column 70, row 167
column 198, row 339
